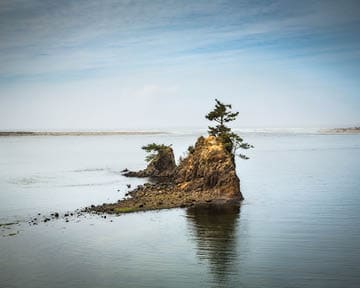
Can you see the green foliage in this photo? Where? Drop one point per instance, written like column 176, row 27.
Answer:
column 191, row 149
column 154, row 150
column 222, row 114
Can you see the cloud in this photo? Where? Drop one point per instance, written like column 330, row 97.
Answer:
column 46, row 38
column 154, row 91
column 100, row 57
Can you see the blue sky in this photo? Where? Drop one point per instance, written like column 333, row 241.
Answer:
column 156, row 64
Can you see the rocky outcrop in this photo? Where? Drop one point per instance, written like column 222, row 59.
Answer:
column 209, row 168
column 162, row 166
column 206, row 175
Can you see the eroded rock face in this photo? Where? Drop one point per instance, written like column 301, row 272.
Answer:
column 162, row 166
column 209, row 168
column 206, row 175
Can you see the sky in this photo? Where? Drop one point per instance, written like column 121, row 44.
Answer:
column 132, row 65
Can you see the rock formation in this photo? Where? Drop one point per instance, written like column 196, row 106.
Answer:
column 209, row 168
column 162, row 166
column 206, row 175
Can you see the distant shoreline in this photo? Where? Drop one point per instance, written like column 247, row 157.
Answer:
column 323, row 131
column 79, row 133
column 349, row 130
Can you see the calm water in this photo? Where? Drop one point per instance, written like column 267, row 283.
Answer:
column 298, row 227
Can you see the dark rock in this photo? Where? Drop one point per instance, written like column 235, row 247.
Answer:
column 56, row 214
column 210, row 169
column 207, row 174
column 163, row 165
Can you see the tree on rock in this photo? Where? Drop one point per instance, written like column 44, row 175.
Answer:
column 161, row 162
column 222, row 114
column 154, row 150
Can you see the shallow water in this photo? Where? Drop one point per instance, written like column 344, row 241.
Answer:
column 298, row 226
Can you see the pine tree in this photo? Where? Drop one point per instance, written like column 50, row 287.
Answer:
column 154, row 150
column 222, row 114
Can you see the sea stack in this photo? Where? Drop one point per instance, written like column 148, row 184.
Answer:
column 209, row 168
column 206, row 175
column 162, row 166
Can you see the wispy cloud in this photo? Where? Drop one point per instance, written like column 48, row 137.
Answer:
column 81, row 58
column 47, row 37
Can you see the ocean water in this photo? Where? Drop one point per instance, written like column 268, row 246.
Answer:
column 299, row 225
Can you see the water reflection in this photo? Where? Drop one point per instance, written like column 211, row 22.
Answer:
column 213, row 227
